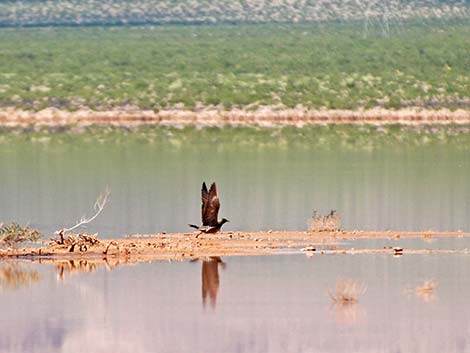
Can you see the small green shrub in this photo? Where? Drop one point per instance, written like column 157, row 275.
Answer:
column 14, row 234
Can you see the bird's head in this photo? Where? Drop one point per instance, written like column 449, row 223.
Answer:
column 224, row 220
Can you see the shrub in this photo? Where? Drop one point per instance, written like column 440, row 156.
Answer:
column 14, row 234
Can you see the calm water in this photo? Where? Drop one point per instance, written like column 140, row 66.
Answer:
column 155, row 184
column 238, row 304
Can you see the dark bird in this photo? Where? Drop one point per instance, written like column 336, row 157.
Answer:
column 210, row 211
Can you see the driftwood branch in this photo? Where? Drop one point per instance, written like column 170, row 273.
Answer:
column 105, row 252
column 98, row 207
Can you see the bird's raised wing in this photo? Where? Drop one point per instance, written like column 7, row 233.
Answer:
column 204, row 199
column 204, row 194
column 210, row 208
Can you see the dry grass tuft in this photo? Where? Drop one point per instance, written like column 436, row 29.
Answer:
column 329, row 223
column 347, row 292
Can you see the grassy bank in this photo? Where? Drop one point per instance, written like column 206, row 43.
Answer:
column 188, row 67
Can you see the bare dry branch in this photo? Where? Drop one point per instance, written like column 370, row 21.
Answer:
column 97, row 207
column 105, row 252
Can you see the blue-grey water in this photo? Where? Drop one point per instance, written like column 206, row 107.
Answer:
column 155, row 182
column 237, row 304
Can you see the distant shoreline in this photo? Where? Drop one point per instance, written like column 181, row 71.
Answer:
column 265, row 116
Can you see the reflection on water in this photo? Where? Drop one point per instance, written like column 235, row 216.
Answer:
column 427, row 291
column 14, row 276
column 72, row 266
column 268, row 304
column 210, row 279
column 348, row 313
column 69, row 267
column 345, row 299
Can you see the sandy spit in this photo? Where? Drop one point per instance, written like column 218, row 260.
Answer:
column 213, row 116
column 177, row 246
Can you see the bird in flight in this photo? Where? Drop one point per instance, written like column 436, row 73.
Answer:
column 210, row 211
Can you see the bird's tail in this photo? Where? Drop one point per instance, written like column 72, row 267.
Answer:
column 193, row 226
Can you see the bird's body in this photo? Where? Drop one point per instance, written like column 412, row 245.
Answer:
column 209, row 211
column 205, row 229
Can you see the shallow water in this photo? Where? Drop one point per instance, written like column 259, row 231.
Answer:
column 242, row 304
column 264, row 182
column 415, row 243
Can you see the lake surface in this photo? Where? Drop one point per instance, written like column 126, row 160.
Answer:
column 265, row 180
column 238, row 304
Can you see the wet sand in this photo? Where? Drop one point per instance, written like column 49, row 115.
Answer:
column 177, row 246
column 211, row 116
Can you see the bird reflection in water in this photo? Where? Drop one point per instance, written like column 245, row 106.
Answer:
column 210, row 279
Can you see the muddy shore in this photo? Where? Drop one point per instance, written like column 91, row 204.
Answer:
column 145, row 247
column 264, row 116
